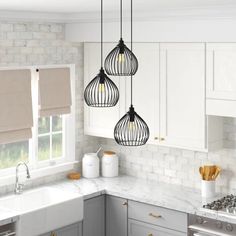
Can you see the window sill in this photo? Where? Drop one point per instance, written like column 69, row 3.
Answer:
column 39, row 173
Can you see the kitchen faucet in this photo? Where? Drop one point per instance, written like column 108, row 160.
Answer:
column 19, row 186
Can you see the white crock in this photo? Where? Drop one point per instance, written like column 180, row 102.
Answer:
column 208, row 189
column 90, row 165
column 110, row 164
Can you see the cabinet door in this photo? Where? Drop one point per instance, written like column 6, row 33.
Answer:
column 94, row 217
column 221, row 71
column 116, row 216
column 99, row 121
column 72, row 230
column 182, row 97
column 146, row 87
column 137, row 228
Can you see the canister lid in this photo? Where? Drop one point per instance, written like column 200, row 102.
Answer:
column 109, row 153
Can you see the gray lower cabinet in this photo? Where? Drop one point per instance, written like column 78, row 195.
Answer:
column 94, row 217
column 116, row 216
column 71, row 230
column 137, row 228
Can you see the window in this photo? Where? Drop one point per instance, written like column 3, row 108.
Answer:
column 52, row 142
column 12, row 153
column 50, row 138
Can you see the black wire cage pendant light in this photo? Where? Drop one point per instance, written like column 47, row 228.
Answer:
column 101, row 91
column 121, row 61
column 131, row 129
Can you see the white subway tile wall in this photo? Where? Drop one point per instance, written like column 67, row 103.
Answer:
column 177, row 166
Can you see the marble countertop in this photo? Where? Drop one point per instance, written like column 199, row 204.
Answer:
column 170, row 196
column 150, row 192
column 174, row 197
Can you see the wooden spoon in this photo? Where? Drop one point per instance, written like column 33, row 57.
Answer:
column 217, row 172
column 201, row 171
column 212, row 172
column 207, row 170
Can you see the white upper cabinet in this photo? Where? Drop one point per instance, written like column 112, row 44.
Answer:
column 168, row 93
column 221, row 79
column 146, row 87
column 99, row 121
column 182, row 98
column 221, row 71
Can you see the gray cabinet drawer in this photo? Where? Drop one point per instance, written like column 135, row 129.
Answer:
column 137, row 228
column 158, row 216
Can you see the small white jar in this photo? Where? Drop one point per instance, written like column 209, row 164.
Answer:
column 90, row 165
column 208, row 188
column 110, row 164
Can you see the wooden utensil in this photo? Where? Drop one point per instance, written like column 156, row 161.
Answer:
column 207, row 173
column 212, row 172
column 217, row 172
column 201, row 171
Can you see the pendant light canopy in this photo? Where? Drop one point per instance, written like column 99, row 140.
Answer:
column 131, row 129
column 121, row 61
column 101, row 91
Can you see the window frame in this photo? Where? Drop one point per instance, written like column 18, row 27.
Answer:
column 43, row 168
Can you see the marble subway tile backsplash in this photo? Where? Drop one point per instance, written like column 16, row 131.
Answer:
column 178, row 166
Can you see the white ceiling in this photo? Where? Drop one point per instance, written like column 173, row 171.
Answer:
column 76, row 6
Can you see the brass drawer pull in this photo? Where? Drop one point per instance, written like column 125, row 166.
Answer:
column 150, row 234
column 162, row 139
column 156, row 138
column 155, row 216
column 53, row 234
column 125, row 204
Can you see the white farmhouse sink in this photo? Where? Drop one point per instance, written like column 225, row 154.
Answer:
column 44, row 209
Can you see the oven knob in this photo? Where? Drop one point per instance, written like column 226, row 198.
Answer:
column 229, row 227
column 199, row 220
column 219, row 225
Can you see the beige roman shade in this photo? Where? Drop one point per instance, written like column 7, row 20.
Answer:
column 54, row 91
column 16, row 118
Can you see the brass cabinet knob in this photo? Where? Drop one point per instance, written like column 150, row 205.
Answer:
column 154, row 215
column 53, row 234
column 162, row 139
column 125, row 204
column 150, row 234
column 156, row 138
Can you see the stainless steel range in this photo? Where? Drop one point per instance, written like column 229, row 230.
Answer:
column 225, row 204
column 202, row 226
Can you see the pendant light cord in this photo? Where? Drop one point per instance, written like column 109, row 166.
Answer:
column 101, row 33
column 121, row 18
column 131, row 14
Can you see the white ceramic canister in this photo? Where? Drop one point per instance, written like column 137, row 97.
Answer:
column 208, row 189
column 90, row 165
column 110, row 164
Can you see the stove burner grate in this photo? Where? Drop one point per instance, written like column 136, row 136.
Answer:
column 227, row 203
